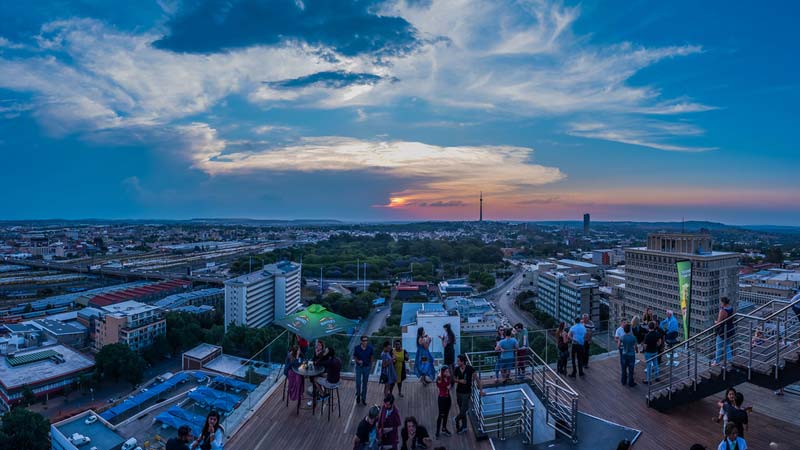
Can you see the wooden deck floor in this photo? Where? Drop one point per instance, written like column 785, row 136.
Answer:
column 275, row 426
column 774, row 419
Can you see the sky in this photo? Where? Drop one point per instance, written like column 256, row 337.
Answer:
column 400, row 110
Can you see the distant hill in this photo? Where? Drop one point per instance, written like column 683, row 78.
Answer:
column 689, row 225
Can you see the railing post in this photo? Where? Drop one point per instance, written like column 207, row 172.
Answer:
column 725, row 350
column 750, row 356
column 503, row 418
column 695, row 365
column 669, row 395
column 777, row 346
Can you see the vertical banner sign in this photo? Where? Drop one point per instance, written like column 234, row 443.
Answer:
column 685, row 290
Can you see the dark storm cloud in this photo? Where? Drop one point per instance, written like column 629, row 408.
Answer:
column 337, row 79
column 350, row 28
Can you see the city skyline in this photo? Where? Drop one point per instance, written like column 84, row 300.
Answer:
column 395, row 111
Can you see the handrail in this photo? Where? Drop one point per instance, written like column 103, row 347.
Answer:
column 753, row 351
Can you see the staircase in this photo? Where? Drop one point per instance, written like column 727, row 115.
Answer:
column 764, row 350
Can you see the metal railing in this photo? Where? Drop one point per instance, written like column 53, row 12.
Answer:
column 758, row 343
column 559, row 399
column 513, row 414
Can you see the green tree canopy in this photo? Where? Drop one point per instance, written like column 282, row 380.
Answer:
column 24, row 429
column 117, row 361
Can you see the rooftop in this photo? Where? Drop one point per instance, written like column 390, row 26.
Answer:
column 100, row 432
column 130, row 307
column 203, row 350
column 275, row 425
column 677, row 254
column 410, row 310
column 269, row 270
column 12, row 377
column 573, row 262
column 58, row 328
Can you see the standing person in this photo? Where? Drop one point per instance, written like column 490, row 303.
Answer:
column 521, row 334
column 737, row 414
column 415, row 436
column 303, row 344
column 212, row 436
column 363, row 357
column 449, row 345
column 293, row 381
column 639, row 331
column 465, row 376
column 670, row 327
column 627, row 353
column 424, row 360
column 388, row 424
column 508, row 352
column 648, row 316
column 562, row 343
column 725, row 330
column 732, row 440
column 443, row 382
column 651, row 344
column 388, row 372
column 725, row 404
column 400, row 356
column 589, row 325
column 577, row 333
column 497, row 338
column 182, row 441
column 619, row 333
column 365, row 429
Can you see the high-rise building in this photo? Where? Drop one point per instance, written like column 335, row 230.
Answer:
column 259, row 298
column 651, row 277
column 567, row 294
column 586, row 223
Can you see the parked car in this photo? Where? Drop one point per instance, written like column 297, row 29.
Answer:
column 90, row 420
column 130, row 444
column 78, row 439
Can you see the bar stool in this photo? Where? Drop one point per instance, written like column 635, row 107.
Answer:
column 328, row 392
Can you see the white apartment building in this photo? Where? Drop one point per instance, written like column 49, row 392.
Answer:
column 566, row 295
column 651, row 277
column 259, row 298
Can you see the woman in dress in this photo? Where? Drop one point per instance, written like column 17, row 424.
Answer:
column 212, row 436
column 444, row 401
column 293, row 380
column 388, row 372
column 562, row 339
column 400, row 356
column 424, row 359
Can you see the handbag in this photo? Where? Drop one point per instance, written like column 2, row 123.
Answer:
column 384, row 378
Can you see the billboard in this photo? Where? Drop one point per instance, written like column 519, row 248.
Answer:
column 685, row 290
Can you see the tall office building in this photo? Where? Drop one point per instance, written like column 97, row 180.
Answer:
column 586, row 223
column 259, row 298
column 566, row 293
column 651, row 277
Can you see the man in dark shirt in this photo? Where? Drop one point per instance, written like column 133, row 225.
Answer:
column 182, row 441
column 363, row 356
column 652, row 342
column 365, row 429
column 464, row 376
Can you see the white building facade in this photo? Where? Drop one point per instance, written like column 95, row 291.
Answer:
column 259, row 298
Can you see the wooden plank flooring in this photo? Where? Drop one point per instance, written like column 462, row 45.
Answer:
column 773, row 421
column 275, row 426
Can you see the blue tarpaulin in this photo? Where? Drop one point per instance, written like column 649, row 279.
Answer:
column 142, row 397
column 236, row 384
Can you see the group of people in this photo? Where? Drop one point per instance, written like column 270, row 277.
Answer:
column 382, row 427
column 211, row 437
column 576, row 341
column 323, row 357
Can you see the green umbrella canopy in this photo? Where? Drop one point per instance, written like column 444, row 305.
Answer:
column 315, row 322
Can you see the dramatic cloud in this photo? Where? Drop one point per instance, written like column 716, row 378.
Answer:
column 454, row 173
column 645, row 134
column 348, row 28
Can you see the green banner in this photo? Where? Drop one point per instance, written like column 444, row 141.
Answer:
column 685, row 290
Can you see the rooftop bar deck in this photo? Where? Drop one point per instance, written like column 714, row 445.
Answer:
column 775, row 420
column 276, row 426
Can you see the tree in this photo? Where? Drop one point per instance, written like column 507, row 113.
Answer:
column 156, row 352
column 118, row 361
column 28, row 397
column 774, row 254
column 24, row 429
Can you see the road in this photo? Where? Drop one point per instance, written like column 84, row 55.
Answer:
column 505, row 302
column 371, row 324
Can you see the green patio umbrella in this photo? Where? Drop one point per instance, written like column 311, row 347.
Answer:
column 315, row 322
